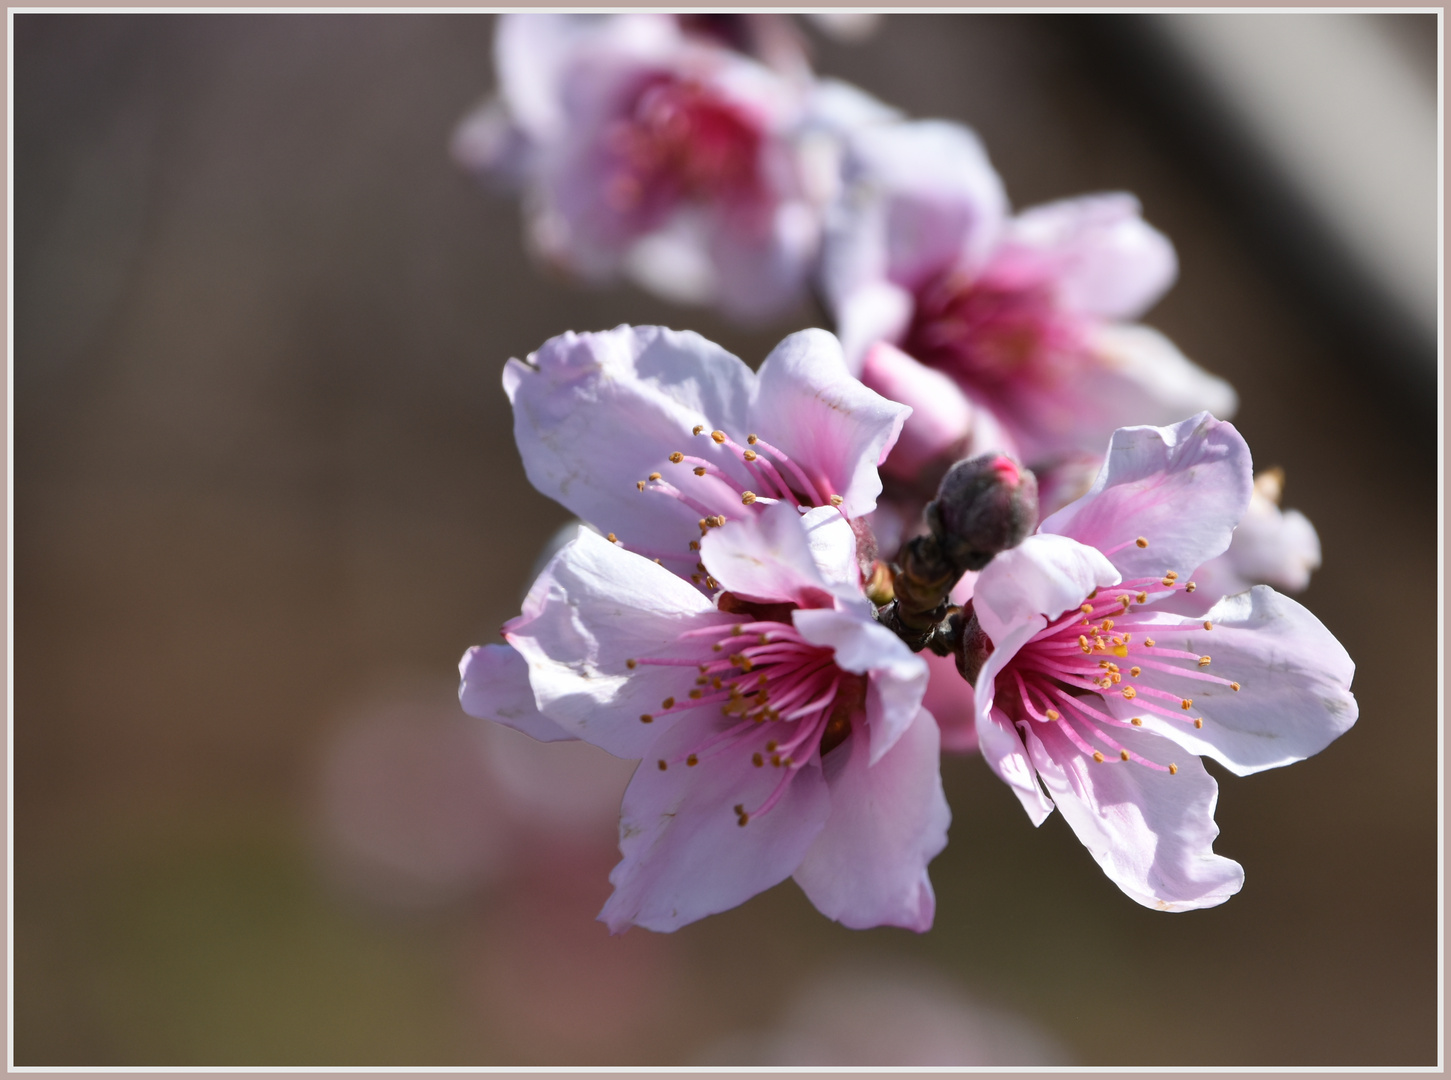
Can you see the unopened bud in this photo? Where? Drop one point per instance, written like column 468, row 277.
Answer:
column 984, row 505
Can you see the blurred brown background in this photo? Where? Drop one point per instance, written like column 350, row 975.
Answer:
column 266, row 493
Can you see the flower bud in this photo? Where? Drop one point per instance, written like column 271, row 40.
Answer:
column 985, row 505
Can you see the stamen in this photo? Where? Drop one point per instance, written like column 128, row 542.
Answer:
column 653, row 476
column 836, row 500
column 718, row 436
column 646, row 718
column 1234, row 686
column 1186, row 703
column 630, row 664
column 692, row 760
column 1208, row 625
column 1130, row 693
column 1136, row 721
column 1173, row 769
column 1204, row 661
column 1123, row 755
column 662, row 764
column 676, row 458
column 1190, row 586
column 1199, row 721
column 1097, row 756
column 697, row 429
column 612, row 538
column 1143, row 543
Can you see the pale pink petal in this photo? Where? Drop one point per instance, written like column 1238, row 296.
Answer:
column 1119, row 375
column 1150, row 831
column 685, row 855
column 810, row 407
column 897, row 677
column 942, row 416
column 594, row 607
column 875, row 311
column 925, row 200
column 494, row 685
column 596, row 413
column 1101, row 256
column 1273, row 547
column 1294, row 679
column 834, row 550
column 889, row 818
column 1181, row 488
column 762, row 271
column 1045, row 575
column 998, row 743
column 949, row 699
column 767, row 556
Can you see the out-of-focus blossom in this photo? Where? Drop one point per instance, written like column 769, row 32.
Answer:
column 1270, row 547
column 408, row 813
column 889, row 1015
column 720, row 631
column 1030, row 315
column 1089, row 687
column 648, row 150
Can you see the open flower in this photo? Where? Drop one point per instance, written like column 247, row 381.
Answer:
column 1091, row 689
column 648, row 151
column 719, row 632
column 1031, row 315
column 780, row 727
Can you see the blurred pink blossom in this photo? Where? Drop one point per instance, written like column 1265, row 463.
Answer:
column 1030, row 315
column 1091, row 688
column 650, row 151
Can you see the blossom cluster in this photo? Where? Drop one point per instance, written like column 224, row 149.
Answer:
column 722, row 615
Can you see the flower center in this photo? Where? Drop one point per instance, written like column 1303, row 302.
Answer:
column 679, row 142
column 760, row 673
column 1102, row 648
column 729, row 476
column 988, row 332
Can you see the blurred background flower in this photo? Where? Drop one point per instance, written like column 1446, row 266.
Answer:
column 266, row 487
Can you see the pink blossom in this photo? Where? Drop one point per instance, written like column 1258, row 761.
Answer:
column 1031, row 315
column 1090, row 688
column 719, row 632
column 780, row 727
column 650, row 152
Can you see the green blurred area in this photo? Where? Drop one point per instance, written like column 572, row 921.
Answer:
column 264, row 472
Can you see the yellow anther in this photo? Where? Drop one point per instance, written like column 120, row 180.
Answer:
column 1170, row 575
column 715, row 683
column 1107, row 625
column 697, row 429
column 1097, row 756
column 1137, row 722
column 771, row 746
column 1130, row 693
column 1134, row 671
column 1204, row 661
column 836, row 500
column 676, row 458
column 700, row 566
column 1124, row 600
column 1208, row 625
column 1087, row 609
column 1199, row 721
column 1186, row 704
column 699, row 470
column 654, row 476
column 695, row 578
column 736, row 630
column 657, row 562
column 612, row 538
column 1143, row 543
column 1234, row 686
column 718, row 436
column 764, row 638
column 696, row 695
column 752, row 439
column 748, row 497
column 1123, row 755
column 757, row 760
column 668, row 703
column 1053, row 714
column 1173, row 769
column 749, row 455
column 1116, row 677
column 630, row 664
column 639, row 485
column 692, row 760
column 1083, row 643
column 1189, row 586
column 695, row 545
column 776, row 760
column 646, row 718
column 1142, row 598
column 1149, row 642
column 662, row 764
column 716, row 646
